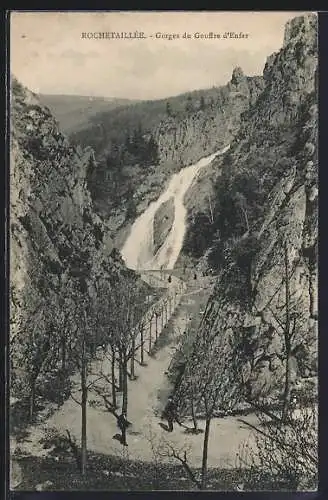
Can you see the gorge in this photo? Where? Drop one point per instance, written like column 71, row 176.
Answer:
column 223, row 179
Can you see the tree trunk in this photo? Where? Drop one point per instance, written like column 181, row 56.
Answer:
column 132, row 357
column 84, row 391
column 113, row 377
column 32, row 399
column 287, row 340
column 125, row 386
column 142, row 346
column 121, row 373
column 193, row 412
column 246, row 217
column 149, row 349
column 156, row 327
column 205, row 453
column 287, row 391
column 63, row 353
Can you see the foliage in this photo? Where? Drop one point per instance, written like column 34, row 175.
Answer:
column 285, row 453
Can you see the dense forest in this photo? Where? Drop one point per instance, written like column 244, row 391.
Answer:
column 73, row 112
column 107, row 128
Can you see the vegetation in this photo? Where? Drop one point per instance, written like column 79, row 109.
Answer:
column 110, row 127
column 74, row 112
column 74, row 303
column 284, row 451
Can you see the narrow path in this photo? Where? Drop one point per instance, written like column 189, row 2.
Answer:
column 147, row 440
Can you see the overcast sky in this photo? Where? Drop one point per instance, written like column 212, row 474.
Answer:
column 49, row 56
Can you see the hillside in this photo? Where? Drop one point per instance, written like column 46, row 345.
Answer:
column 230, row 332
column 62, row 258
column 74, row 112
column 260, row 236
column 138, row 147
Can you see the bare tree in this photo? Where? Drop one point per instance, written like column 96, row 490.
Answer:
column 288, row 328
column 34, row 348
column 191, row 378
column 82, row 354
column 217, row 392
column 142, row 328
column 214, row 388
column 127, row 307
column 210, row 215
column 283, row 315
column 150, row 318
column 282, row 454
column 242, row 205
column 182, row 457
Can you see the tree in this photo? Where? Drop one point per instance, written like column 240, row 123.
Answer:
column 202, row 105
column 168, row 109
column 81, row 353
column 282, row 455
column 213, row 388
column 189, row 104
column 127, row 307
column 153, row 154
column 287, row 324
column 190, row 375
column 34, row 348
column 84, row 339
column 217, row 391
column 241, row 203
column 104, row 332
column 283, row 321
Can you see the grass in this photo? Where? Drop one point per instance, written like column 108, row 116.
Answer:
column 109, row 473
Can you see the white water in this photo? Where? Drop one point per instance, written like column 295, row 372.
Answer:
column 138, row 249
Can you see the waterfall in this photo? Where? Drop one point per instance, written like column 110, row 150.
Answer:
column 138, row 249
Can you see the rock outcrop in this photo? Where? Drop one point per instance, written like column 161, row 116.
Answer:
column 183, row 142
column 59, row 247
column 263, row 236
column 192, row 130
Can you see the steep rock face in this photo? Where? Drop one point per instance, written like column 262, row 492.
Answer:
column 185, row 141
column 182, row 138
column 163, row 221
column 58, row 244
column 264, row 229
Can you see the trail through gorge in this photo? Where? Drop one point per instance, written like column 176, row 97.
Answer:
column 147, row 394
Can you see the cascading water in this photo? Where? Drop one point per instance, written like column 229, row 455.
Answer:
column 138, row 249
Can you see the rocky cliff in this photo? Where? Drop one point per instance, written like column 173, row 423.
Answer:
column 60, row 249
column 183, row 129
column 184, row 141
column 262, row 231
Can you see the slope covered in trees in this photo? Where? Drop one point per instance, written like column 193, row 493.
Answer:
column 64, row 269
column 138, row 147
column 74, row 112
column 260, row 236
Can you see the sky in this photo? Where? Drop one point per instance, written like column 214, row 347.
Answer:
column 49, row 55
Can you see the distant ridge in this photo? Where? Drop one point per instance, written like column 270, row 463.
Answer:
column 73, row 111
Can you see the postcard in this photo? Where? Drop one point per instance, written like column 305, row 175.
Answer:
column 163, row 251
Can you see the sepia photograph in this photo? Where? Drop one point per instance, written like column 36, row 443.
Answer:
column 163, row 220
